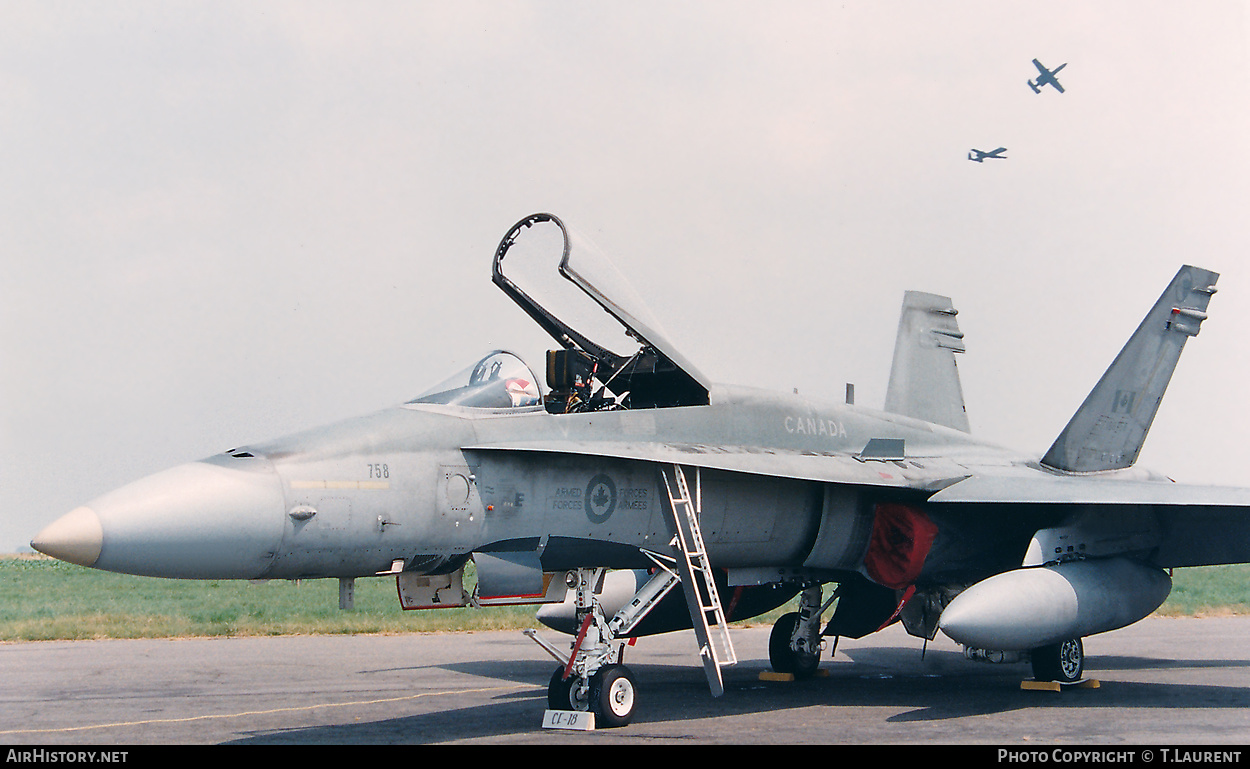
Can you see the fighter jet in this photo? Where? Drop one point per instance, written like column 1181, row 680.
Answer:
column 1046, row 77
column 626, row 473
column 979, row 156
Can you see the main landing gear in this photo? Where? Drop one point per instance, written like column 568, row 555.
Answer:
column 1063, row 662
column 794, row 645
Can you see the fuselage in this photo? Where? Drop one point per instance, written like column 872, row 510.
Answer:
column 423, row 486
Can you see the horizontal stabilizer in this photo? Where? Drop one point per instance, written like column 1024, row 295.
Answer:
column 924, row 381
column 1108, row 431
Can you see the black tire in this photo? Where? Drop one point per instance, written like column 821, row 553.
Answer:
column 561, row 693
column 1063, row 662
column 782, row 657
column 613, row 695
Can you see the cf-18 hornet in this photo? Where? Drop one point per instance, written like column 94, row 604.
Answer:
column 629, row 495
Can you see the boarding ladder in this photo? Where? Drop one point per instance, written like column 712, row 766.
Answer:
column 716, row 649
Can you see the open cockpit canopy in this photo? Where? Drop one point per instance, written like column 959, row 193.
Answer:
column 614, row 353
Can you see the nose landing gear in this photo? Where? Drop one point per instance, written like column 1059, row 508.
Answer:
column 591, row 677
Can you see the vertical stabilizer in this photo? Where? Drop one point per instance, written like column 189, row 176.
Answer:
column 1108, row 431
column 924, row 381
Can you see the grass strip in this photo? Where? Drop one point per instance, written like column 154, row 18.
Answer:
column 44, row 599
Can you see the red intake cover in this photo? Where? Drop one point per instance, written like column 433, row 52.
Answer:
column 901, row 538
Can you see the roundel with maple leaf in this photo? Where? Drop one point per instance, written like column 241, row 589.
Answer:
column 600, row 498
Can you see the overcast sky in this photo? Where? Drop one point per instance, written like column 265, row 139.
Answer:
column 221, row 222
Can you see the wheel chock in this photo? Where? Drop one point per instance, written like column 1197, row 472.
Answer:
column 1055, row 686
column 768, row 675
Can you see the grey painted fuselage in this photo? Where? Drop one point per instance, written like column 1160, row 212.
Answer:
column 429, row 484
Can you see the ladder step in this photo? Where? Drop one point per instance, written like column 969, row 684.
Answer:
column 704, row 600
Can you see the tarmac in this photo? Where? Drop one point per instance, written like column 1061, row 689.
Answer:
column 1162, row 682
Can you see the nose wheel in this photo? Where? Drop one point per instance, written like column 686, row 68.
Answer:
column 610, row 694
column 563, row 694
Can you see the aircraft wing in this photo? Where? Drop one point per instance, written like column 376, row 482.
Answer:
column 1187, row 525
column 1061, row 490
column 953, row 482
column 926, row 474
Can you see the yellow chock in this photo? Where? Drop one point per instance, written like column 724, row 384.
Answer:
column 1055, row 686
column 768, row 675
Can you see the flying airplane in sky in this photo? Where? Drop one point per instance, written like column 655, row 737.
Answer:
column 630, row 474
column 1046, row 77
column 979, row 156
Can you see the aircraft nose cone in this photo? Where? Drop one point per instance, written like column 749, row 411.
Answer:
column 200, row 520
column 75, row 537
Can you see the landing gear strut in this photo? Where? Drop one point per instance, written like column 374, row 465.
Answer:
column 591, row 677
column 794, row 645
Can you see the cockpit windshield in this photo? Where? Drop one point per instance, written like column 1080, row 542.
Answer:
column 615, row 354
column 500, row 380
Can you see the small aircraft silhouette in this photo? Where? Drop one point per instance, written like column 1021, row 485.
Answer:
column 979, row 156
column 1046, row 77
